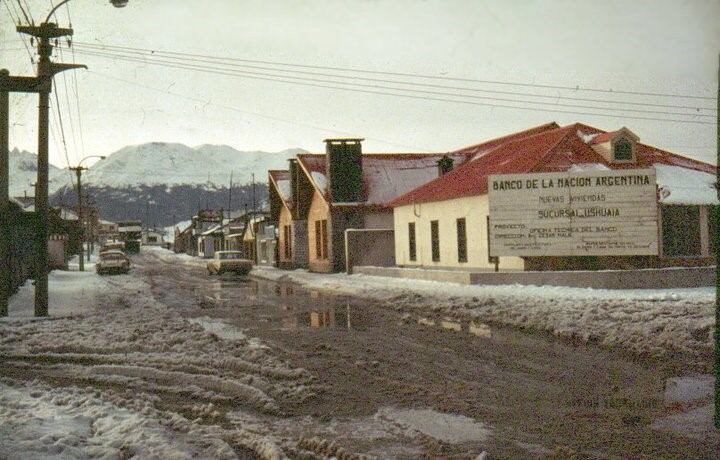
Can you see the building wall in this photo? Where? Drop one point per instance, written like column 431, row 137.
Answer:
column 300, row 244
column 265, row 251
column 473, row 209
column 369, row 247
column 379, row 219
column 319, row 211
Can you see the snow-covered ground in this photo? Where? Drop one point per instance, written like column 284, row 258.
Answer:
column 137, row 379
column 644, row 321
column 114, row 373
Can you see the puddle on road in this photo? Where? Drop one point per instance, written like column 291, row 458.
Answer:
column 391, row 432
column 450, row 428
column 471, row 327
column 219, row 328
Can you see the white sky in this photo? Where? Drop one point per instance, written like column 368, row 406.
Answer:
column 647, row 46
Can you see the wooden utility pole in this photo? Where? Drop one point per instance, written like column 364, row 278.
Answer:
column 46, row 69
column 717, row 265
column 230, row 195
column 4, row 194
column 78, row 173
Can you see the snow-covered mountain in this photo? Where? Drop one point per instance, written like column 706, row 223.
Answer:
column 23, row 173
column 159, row 163
column 163, row 183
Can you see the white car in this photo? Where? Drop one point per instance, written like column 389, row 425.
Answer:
column 229, row 261
column 111, row 262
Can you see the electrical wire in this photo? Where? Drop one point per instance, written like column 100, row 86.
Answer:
column 252, row 75
column 413, row 75
column 261, row 115
column 25, row 15
column 416, row 91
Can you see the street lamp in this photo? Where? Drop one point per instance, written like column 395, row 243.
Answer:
column 78, row 172
column 115, row 3
column 46, row 34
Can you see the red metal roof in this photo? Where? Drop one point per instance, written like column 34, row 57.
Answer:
column 389, row 175
column 484, row 147
column 385, row 175
column 549, row 150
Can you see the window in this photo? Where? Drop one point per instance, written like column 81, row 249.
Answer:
column 435, row 240
column 461, row 240
column 713, row 212
column 681, row 230
column 321, row 239
column 288, row 241
column 622, row 150
column 411, row 241
column 324, row 239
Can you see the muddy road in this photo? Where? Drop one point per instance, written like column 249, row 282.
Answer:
column 510, row 393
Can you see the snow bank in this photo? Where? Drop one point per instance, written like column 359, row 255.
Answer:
column 644, row 321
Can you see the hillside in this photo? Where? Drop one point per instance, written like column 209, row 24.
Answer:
column 163, row 183
column 23, row 173
column 159, row 163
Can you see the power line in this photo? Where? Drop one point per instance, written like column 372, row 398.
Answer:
column 431, row 77
column 229, row 62
column 27, row 18
column 253, row 75
column 261, row 115
column 62, row 129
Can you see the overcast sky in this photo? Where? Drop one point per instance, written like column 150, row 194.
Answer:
column 642, row 46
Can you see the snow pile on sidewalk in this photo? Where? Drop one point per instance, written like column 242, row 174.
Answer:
column 651, row 322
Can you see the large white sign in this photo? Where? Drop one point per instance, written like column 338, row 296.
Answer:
column 573, row 214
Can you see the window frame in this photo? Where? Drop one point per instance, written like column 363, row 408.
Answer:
column 435, row 240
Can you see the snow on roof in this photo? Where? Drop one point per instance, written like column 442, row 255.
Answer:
column 385, row 175
column 212, row 230
column 553, row 150
column 320, row 180
column 281, row 179
column 480, row 149
column 678, row 185
column 584, row 167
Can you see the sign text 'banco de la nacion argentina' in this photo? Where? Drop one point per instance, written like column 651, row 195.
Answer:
column 600, row 212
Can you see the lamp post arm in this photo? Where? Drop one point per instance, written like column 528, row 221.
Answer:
column 55, row 9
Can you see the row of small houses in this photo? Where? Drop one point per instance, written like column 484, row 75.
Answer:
column 210, row 230
column 345, row 207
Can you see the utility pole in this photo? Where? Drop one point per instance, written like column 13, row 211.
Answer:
column 46, row 69
column 4, row 194
column 78, row 173
column 253, row 194
column 717, row 266
column 230, row 195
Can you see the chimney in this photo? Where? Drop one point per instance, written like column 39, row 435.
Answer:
column 343, row 170
column 445, row 165
column 294, row 170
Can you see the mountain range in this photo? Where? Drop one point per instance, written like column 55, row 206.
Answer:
column 23, row 174
column 160, row 183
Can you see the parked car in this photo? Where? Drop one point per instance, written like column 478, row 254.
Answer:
column 112, row 261
column 229, row 261
column 112, row 246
